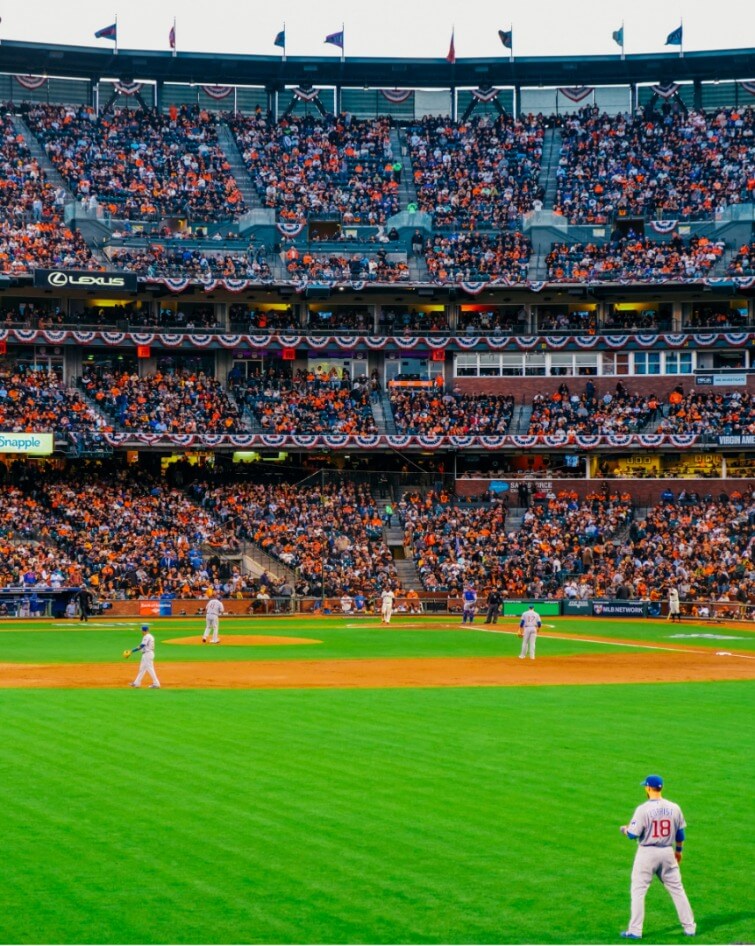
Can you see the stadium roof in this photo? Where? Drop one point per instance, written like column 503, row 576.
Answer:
column 93, row 63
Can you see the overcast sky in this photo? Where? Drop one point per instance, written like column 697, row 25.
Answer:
column 388, row 27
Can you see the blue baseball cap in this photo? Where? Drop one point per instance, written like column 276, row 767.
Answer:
column 145, row 627
column 653, row 781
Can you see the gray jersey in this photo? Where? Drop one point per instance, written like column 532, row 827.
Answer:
column 656, row 822
column 530, row 621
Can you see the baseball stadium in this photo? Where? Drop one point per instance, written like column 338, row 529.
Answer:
column 396, row 419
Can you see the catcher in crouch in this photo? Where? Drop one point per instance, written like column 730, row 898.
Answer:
column 147, row 663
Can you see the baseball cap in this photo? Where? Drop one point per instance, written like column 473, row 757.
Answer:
column 653, row 781
column 145, row 627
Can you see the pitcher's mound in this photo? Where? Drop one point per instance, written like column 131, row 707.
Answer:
column 245, row 640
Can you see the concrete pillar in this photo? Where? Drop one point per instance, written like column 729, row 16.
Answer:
column 72, row 364
column 159, row 89
column 223, row 364
column 677, row 316
column 221, row 315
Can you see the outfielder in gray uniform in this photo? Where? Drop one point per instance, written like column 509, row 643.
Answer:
column 658, row 827
column 528, row 628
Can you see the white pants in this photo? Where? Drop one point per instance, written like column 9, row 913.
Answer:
column 211, row 627
column 387, row 611
column 528, row 642
column 147, row 665
column 660, row 861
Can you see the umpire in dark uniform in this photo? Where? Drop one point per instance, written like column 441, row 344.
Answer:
column 84, row 601
column 495, row 599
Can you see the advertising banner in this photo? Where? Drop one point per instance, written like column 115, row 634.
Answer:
column 543, row 608
column 34, row 445
column 619, row 609
column 81, row 279
column 576, row 606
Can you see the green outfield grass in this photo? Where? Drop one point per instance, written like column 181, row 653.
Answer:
column 104, row 640
column 469, row 815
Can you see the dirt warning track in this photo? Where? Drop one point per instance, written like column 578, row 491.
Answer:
column 627, row 668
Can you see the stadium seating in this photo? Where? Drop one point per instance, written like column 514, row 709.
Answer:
column 675, row 165
column 439, row 414
column 136, row 164
column 306, row 167
column 479, row 173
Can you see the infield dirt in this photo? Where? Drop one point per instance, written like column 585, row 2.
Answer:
column 659, row 667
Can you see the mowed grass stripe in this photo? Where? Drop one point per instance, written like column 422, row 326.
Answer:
column 428, row 816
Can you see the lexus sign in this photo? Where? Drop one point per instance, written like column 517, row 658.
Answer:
column 79, row 279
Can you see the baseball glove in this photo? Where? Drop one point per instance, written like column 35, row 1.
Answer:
column 520, row 634
column 126, row 653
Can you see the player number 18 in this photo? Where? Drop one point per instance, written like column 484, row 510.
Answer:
column 661, row 829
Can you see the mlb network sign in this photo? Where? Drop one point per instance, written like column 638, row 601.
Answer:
column 79, row 279
column 38, row 445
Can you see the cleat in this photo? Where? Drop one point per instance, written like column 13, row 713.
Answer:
column 627, row 935
column 204, row 640
column 133, row 684
column 154, row 686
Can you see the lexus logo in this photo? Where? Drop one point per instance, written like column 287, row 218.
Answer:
column 59, row 279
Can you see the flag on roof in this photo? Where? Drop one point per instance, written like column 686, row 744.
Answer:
column 280, row 39
column 335, row 39
column 172, row 37
column 618, row 36
column 107, row 32
column 506, row 37
column 451, row 57
column 674, row 38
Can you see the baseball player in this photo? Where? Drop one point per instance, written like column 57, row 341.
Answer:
column 674, row 609
column 147, row 663
column 528, row 628
column 386, row 605
column 658, row 827
column 494, row 606
column 212, row 619
column 468, row 605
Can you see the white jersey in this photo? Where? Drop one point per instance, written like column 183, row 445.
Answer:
column 656, row 822
column 214, row 608
column 530, row 621
column 387, row 599
column 148, row 645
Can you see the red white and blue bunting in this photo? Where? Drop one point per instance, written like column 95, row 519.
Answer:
column 396, row 96
column 31, row 82
column 217, row 92
column 521, row 343
column 664, row 226
column 576, row 93
column 289, row 229
column 399, row 441
column 748, row 87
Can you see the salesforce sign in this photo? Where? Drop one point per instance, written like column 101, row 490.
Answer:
column 37, row 445
column 78, row 279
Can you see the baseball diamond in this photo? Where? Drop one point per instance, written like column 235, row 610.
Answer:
column 377, row 475
column 353, row 762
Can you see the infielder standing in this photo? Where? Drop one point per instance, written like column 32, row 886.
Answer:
column 212, row 619
column 147, row 663
column 674, row 609
column 658, row 825
column 528, row 628
column 386, row 606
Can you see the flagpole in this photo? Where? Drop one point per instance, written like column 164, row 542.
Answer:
column 622, row 39
column 284, row 41
column 681, row 38
column 511, row 50
column 343, row 42
column 175, row 37
column 115, row 53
